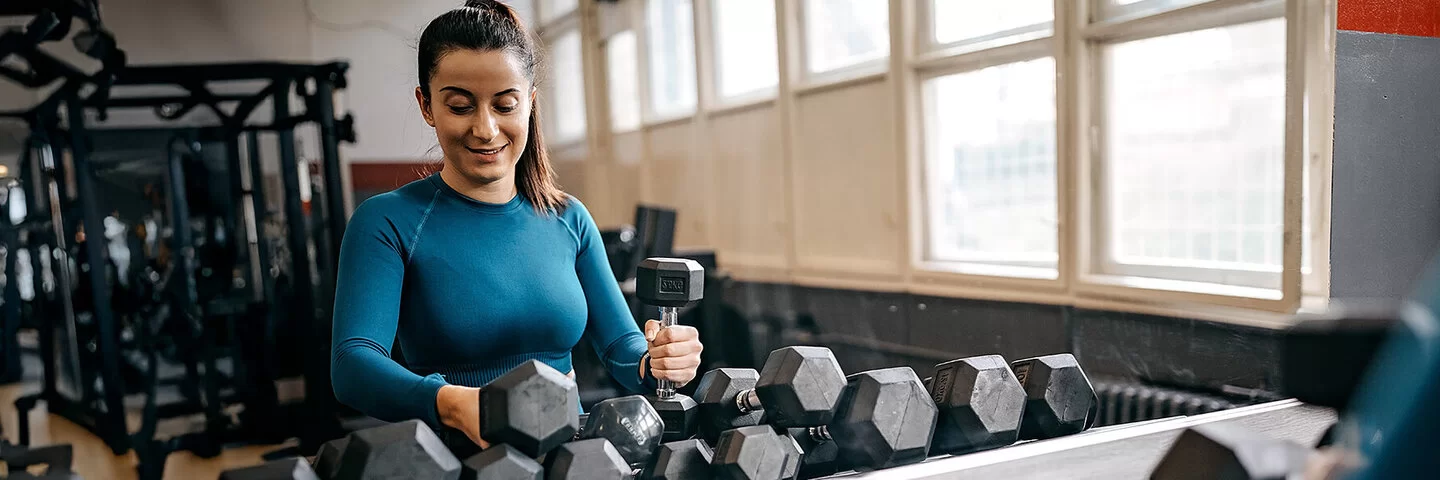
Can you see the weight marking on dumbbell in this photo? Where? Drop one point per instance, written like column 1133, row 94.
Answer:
column 1022, row 371
column 634, row 431
column 672, row 285
column 942, row 386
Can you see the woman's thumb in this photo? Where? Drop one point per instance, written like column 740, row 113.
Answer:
column 651, row 328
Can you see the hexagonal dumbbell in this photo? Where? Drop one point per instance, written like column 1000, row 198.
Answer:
column 631, row 426
column 681, row 460
column 671, row 283
column 885, row 419
column 798, row 387
column 407, row 449
column 1219, row 450
column 500, row 462
column 981, row 405
column 532, row 408
column 756, row 452
column 283, row 469
column 588, row 459
column 1060, row 400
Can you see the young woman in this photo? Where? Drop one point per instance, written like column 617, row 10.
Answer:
column 486, row 264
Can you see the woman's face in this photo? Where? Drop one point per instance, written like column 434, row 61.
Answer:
column 480, row 107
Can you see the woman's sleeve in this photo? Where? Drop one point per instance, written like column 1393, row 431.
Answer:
column 367, row 311
column 611, row 328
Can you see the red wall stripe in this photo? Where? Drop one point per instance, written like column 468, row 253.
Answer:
column 1403, row 17
column 387, row 175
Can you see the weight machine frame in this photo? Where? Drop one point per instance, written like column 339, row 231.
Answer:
column 316, row 84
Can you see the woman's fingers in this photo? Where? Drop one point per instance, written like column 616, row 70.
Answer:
column 675, row 363
column 676, row 350
column 674, row 334
column 680, row 377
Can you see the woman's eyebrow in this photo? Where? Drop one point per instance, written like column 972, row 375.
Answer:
column 458, row 90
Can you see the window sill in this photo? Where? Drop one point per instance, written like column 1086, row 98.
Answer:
column 865, row 73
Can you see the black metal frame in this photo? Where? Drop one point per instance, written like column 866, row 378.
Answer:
column 319, row 409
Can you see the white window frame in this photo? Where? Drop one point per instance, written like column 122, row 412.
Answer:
column 862, row 71
column 649, row 117
column 1075, row 44
column 706, row 40
column 610, row 114
column 548, row 35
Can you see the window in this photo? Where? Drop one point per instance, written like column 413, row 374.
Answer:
column 746, row 54
column 967, row 21
column 841, row 34
column 990, row 167
column 671, row 28
column 1120, row 8
column 1194, row 149
column 553, row 9
column 622, row 71
column 567, row 90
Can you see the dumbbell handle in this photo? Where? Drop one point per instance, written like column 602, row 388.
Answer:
column 666, row 389
column 820, row 433
column 748, row 401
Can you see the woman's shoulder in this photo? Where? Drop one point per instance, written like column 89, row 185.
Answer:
column 410, row 201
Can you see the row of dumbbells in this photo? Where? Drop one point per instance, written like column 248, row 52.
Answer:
column 800, row 416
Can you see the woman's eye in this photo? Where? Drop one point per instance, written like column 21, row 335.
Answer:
column 460, row 109
column 505, row 108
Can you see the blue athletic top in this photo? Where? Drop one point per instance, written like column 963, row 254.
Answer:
column 471, row 289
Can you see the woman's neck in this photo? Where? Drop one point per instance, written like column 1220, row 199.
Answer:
column 500, row 191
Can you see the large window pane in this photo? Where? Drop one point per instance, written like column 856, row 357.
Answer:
column 844, row 33
column 671, row 28
column 622, row 70
column 568, row 97
column 1195, row 130
column 553, row 9
column 745, row 47
column 990, row 168
column 958, row 20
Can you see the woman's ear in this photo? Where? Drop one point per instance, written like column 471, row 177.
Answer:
column 424, row 107
column 534, row 93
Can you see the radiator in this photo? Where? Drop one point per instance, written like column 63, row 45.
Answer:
column 1122, row 402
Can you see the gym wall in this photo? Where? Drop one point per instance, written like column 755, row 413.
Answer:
column 801, row 198
column 1386, row 221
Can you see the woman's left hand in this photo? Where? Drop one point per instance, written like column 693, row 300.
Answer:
column 674, row 352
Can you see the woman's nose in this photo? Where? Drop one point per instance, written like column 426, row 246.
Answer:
column 485, row 127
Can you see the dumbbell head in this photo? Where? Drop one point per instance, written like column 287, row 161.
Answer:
column 716, row 394
column 681, row 460
column 407, row 449
column 677, row 415
column 1223, row 451
column 756, row 452
column 1059, row 398
column 821, row 456
column 500, row 462
column 669, row 282
column 885, row 419
column 630, row 424
column 533, row 408
column 283, row 469
column 327, row 460
column 589, row 459
column 800, row 386
column 981, row 404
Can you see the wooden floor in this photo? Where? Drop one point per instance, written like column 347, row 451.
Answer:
column 95, row 461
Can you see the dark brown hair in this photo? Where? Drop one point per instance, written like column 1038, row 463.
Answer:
column 492, row 25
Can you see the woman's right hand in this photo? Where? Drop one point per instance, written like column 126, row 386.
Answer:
column 459, row 408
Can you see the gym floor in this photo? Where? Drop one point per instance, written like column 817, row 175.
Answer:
column 94, row 460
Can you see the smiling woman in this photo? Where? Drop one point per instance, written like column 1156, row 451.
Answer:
column 485, row 265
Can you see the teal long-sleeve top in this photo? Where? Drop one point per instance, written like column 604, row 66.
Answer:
column 470, row 290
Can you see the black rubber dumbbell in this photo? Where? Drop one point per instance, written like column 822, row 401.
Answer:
column 1060, row 399
column 630, row 425
column 981, row 405
column 1221, row 451
column 283, row 469
column 756, row 452
column 408, row 449
column 885, row 418
column 798, row 386
column 671, row 284
column 587, row 459
column 501, row 462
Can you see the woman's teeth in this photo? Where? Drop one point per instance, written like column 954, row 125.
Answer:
column 489, row 152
